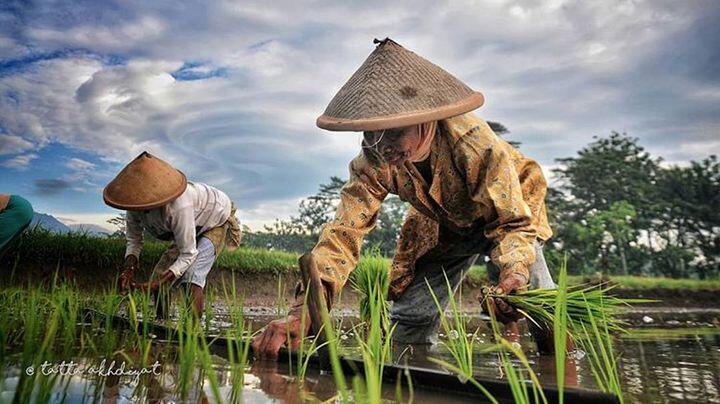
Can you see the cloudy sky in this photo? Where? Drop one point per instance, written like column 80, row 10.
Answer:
column 229, row 92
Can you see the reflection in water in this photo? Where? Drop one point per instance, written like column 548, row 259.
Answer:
column 676, row 370
column 652, row 370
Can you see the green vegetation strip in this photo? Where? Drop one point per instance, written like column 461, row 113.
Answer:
column 669, row 333
column 42, row 248
column 477, row 276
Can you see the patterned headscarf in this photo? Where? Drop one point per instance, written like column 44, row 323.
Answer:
column 427, row 134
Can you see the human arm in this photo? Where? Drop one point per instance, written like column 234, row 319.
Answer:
column 134, row 237
column 334, row 256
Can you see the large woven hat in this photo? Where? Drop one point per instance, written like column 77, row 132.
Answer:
column 396, row 88
column 146, row 183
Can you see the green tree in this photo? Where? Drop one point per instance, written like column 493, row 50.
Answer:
column 610, row 170
column 690, row 215
column 390, row 219
column 319, row 209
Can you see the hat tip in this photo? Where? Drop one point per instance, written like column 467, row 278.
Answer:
column 381, row 42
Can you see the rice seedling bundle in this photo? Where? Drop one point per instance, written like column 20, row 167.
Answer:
column 581, row 301
column 372, row 281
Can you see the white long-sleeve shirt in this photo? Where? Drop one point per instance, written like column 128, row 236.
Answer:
column 199, row 209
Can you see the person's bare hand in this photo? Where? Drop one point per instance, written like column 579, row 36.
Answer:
column 153, row 286
column 267, row 344
column 126, row 277
column 504, row 312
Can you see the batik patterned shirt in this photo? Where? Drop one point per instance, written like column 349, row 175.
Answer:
column 479, row 181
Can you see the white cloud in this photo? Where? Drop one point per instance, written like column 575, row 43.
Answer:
column 555, row 73
column 10, row 144
column 79, row 164
column 20, row 162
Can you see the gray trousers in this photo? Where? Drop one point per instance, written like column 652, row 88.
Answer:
column 415, row 313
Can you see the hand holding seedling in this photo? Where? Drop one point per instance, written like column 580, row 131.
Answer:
column 167, row 278
column 504, row 312
column 126, row 277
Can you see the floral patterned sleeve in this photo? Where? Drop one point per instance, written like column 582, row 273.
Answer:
column 494, row 182
column 338, row 249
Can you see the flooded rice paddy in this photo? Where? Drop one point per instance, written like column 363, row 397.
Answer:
column 670, row 355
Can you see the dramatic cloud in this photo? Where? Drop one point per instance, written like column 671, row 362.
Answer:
column 13, row 144
column 229, row 91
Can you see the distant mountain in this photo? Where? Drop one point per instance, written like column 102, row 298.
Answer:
column 48, row 222
column 93, row 229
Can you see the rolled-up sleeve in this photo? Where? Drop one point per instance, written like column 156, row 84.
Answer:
column 494, row 182
column 338, row 248
column 183, row 228
column 133, row 234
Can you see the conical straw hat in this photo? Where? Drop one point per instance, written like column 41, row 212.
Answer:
column 146, row 183
column 396, row 88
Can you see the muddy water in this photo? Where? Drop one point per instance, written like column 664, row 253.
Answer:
column 670, row 356
column 679, row 362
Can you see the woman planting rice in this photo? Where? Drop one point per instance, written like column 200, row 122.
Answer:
column 471, row 194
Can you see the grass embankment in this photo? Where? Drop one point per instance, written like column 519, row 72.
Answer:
column 42, row 249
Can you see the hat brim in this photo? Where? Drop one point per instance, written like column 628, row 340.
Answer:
column 125, row 205
column 474, row 101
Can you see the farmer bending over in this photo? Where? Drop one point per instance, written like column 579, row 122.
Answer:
column 198, row 219
column 471, row 194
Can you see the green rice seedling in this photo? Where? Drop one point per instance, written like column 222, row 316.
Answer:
column 538, row 305
column 459, row 345
column 109, row 305
column 398, row 387
column 333, row 347
column 66, row 302
column 369, row 280
column 517, row 378
column 560, row 328
column 459, row 342
column 209, row 299
column 207, row 369
column 375, row 343
column 37, row 386
column 306, row 350
column 597, row 341
column 239, row 339
column 280, row 303
column 188, row 351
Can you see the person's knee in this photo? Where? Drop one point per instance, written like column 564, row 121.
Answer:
column 414, row 333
